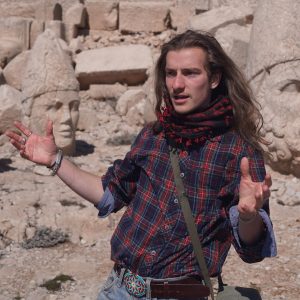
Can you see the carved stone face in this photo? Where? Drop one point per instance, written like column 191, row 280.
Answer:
column 280, row 99
column 62, row 107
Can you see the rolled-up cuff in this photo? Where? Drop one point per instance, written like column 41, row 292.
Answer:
column 106, row 204
column 269, row 244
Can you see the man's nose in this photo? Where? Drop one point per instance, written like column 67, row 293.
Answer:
column 178, row 83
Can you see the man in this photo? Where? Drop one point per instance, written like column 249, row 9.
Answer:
column 205, row 111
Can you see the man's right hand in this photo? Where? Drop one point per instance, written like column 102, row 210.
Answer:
column 39, row 149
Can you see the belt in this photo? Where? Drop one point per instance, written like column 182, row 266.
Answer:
column 188, row 287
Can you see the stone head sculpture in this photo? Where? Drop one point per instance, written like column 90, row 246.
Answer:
column 273, row 70
column 50, row 90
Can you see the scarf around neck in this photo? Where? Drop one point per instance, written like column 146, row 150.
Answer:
column 185, row 131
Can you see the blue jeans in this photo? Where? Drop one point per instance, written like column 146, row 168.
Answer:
column 114, row 289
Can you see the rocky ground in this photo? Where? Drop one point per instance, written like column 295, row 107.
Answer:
column 31, row 202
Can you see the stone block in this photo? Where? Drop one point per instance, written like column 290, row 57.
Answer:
column 148, row 16
column 123, row 64
column 102, row 15
column 10, row 107
column 214, row 19
column 14, row 37
column 17, row 8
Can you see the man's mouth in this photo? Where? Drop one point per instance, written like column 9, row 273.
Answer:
column 180, row 97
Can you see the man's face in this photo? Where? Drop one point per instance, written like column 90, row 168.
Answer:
column 187, row 80
column 62, row 108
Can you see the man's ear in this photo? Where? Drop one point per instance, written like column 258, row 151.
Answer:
column 215, row 80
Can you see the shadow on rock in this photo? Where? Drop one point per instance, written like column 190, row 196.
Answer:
column 83, row 148
column 4, row 165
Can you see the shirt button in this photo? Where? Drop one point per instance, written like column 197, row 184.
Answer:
column 181, row 175
column 176, row 200
column 153, row 252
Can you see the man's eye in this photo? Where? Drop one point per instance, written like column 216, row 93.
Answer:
column 170, row 74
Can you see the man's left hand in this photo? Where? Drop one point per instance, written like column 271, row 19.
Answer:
column 251, row 194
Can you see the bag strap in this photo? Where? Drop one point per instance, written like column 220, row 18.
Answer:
column 189, row 219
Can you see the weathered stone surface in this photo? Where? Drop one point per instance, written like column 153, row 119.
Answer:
column 128, row 100
column 220, row 17
column 102, row 15
column 180, row 16
column 235, row 41
column 76, row 45
column 283, row 32
column 17, row 8
column 10, row 107
column 76, row 15
column 106, row 91
column 198, row 5
column 44, row 95
column 135, row 115
column 57, row 27
column 148, row 16
column 37, row 27
column 274, row 71
column 14, row 70
column 123, row 64
column 233, row 3
column 53, row 9
column 14, row 37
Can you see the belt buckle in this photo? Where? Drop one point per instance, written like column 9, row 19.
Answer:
column 134, row 284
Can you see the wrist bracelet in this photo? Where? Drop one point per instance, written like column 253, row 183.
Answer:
column 57, row 163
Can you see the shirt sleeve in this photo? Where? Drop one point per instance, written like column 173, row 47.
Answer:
column 266, row 246
column 106, row 205
column 268, row 242
column 119, row 182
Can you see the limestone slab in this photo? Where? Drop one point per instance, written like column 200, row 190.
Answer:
column 123, row 64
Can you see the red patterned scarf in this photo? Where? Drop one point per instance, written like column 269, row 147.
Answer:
column 195, row 128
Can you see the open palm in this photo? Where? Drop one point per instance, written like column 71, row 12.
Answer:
column 39, row 149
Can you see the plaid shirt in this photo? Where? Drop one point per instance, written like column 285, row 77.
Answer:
column 151, row 238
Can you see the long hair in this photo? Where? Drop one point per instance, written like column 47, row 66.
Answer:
column 247, row 118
